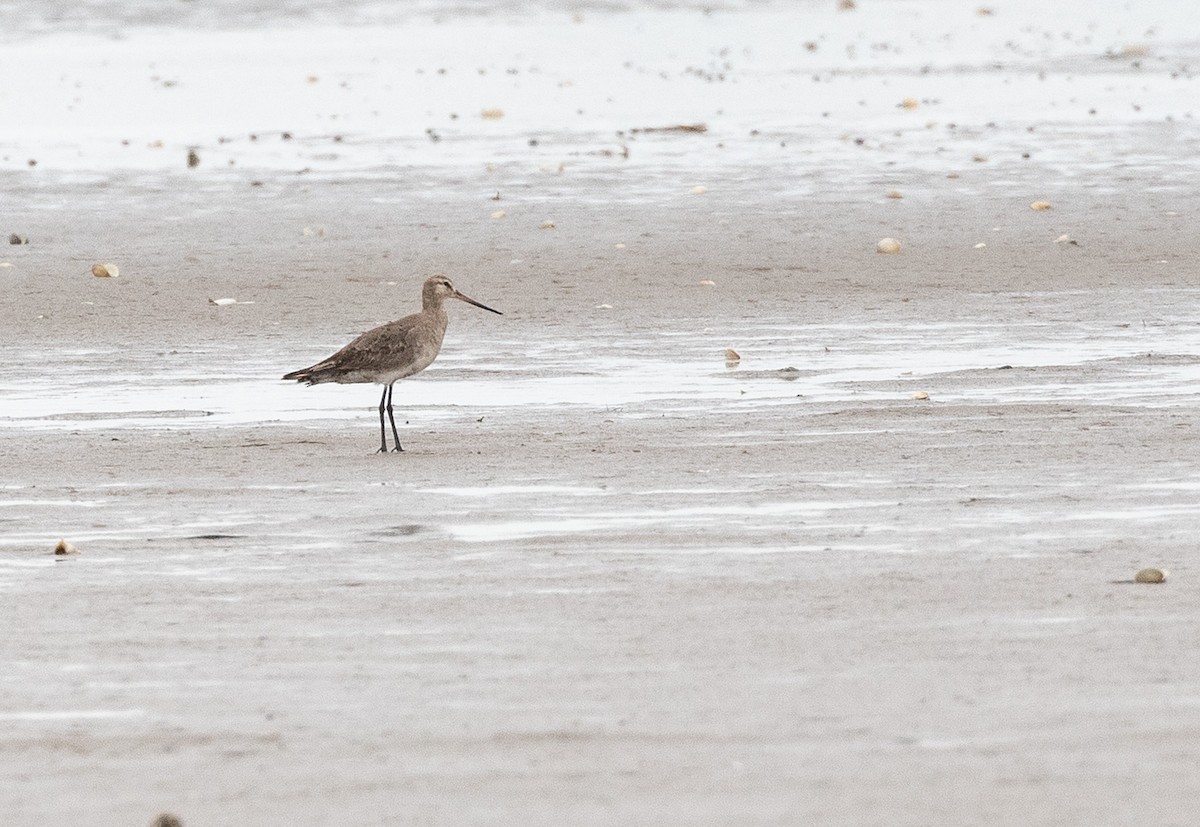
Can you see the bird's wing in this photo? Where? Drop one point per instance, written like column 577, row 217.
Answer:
column 376, row 349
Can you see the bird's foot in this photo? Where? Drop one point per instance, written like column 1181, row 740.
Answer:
column 397, row 450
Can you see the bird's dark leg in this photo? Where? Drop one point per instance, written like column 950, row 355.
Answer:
column 382, row 430
column 392, row 419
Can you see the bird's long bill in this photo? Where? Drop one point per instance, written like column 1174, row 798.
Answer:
column 470, row 300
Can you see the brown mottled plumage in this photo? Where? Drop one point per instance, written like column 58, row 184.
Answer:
column 391, row 351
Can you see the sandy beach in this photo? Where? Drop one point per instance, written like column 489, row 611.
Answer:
column 879, row 571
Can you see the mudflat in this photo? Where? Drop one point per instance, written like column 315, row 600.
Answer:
column 877, row 570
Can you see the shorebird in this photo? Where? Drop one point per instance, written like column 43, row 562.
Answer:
column 392, row 351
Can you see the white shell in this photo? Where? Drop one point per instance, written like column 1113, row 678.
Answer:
column 1151, row 576
column 64, row 547
column 888, row 245
column 699, row 190
column 920, row 395
column 222, row 302
column 1040, row 206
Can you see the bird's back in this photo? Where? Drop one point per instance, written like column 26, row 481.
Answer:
column 383, row 354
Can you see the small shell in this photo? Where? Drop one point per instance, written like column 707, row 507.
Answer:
column 1041, row 206
column 707, row 283
column 492, row 114
column 920, row 395
column 620, row 245
column 895, row 194
column 732, row 357
column 604, row 307
column 64, row 548
column 699, row 189
column 499, row 214
column 888, row 245
column 1151, row 576
column 1063, row 239
column 910, row 103
column 105, row 271
column 980, row 246
column 547, row 225
column 222, row 302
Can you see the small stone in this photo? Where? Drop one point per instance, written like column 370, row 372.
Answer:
column 166, row 820
column 910, row 103
column 547, row 225
column 193, row 160
column 18, row 239
column 1151, row 576
column 105, row 271
column 64, row 548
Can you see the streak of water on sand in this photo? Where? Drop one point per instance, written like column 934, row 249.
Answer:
column 674, row 371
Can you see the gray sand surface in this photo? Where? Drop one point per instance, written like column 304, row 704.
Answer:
column 611, row 580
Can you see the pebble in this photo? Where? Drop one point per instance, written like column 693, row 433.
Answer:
column 64, row 548
column 1151, row 576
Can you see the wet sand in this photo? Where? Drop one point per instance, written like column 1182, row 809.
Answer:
column 611, row 579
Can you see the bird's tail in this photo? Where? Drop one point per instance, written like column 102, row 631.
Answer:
column 310, row 376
